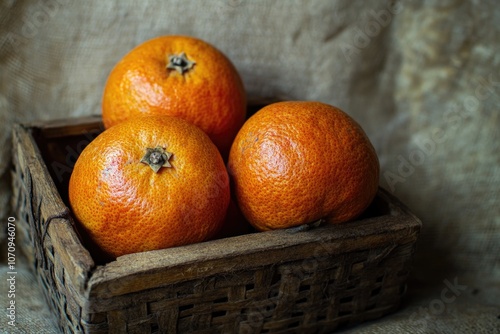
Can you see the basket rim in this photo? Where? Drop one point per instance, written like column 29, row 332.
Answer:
column 205, row 258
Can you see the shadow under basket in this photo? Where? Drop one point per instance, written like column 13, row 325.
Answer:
column 313, row 281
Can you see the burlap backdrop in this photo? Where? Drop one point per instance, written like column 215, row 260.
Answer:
column 421, row 78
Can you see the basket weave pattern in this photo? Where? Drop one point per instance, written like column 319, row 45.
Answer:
column 310, row 282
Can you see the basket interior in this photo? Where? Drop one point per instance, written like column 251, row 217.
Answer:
column 61, row 145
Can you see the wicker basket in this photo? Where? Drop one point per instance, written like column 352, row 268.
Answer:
column 271, row 282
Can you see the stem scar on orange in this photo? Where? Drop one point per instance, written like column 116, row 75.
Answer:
column 149, row 183
column 300, row 162
column 178, row 76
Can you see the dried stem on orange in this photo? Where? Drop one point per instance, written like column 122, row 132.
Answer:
column 157, row 158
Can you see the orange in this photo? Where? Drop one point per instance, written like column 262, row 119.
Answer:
column 178, row 76
column 149, row 183
column 295, row 163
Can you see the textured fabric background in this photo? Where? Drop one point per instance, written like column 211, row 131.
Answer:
column 421, row 77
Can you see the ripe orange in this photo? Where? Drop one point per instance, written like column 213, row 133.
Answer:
column 148, row 183
column 178, row 76
column 294, row 163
